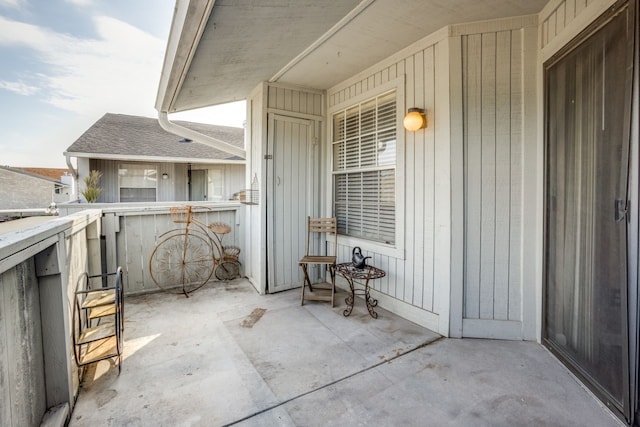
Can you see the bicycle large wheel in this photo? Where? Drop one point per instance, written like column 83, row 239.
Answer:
column 227, row 270
column 182, row 263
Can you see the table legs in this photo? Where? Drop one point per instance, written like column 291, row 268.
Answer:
column 369, row 301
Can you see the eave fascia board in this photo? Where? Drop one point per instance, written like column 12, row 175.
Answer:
column 190, row 18
column 184, row 132
column 155, row 159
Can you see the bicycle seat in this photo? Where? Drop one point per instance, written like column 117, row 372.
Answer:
column 219, row 228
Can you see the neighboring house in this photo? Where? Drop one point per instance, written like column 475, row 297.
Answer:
column 141, row 162
column 68, row 191
column 513, row 214
column 20, row 189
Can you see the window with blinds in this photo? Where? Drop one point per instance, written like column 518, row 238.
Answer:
column 137, row 182
column 364, row 169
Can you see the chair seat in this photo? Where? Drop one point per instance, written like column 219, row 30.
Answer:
column 310, row 259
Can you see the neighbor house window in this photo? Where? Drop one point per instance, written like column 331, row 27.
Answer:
column 364, row 168
column 137, row 182
column 216, row 184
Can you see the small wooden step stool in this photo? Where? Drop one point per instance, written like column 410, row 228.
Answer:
column 98, row 319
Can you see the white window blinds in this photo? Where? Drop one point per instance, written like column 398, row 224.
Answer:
column 137, row 182
column 364, row 163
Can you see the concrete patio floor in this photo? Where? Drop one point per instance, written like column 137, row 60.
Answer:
column 228, row 356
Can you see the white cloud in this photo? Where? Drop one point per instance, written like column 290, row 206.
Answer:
column 80, row 2
column 15, row 4
column 116, row 72
column 20, row 88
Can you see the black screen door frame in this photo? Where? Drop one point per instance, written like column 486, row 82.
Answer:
column 626, row 210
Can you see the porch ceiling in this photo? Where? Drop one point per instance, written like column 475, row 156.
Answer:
column 307, row 43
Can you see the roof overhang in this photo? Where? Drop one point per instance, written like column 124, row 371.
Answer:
column 154, row 159
column 220, row 50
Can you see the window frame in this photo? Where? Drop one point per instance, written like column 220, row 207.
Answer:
column 140, row 166
column 396, row 249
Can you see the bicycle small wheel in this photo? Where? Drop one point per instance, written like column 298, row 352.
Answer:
column 227, row 270
column 182, row 263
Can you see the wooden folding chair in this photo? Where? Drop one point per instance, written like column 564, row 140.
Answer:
column 318, row 291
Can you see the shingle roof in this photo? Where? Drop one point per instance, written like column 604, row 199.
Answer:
column 53, row 173
column 120, row 134
column 31, row 174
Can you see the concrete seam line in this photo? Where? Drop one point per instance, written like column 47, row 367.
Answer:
column 284, row 402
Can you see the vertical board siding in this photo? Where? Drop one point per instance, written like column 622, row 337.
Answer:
column 295, row 101
column 172, row 189
column 492, row 140
column 559, row 18
column 22, row 378
column 139, row 233
column 411, row 278
column 109, row 180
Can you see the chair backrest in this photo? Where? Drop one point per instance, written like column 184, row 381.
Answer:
column 322, row 225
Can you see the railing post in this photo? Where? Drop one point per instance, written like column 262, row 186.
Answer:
column 111, row 226
column 51, row 270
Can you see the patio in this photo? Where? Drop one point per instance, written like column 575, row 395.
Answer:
column 230, row 356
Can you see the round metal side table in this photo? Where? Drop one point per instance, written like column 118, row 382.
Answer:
column 354, row 275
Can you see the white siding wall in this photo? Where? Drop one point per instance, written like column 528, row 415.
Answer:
column 493, row 139
column 562, row 20
column 265, row 99
column 234, row 179
column 470, row 80
column 256, row 265
column 294, row 101
column 413, row 281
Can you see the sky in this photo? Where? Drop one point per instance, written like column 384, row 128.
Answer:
column 65, row 63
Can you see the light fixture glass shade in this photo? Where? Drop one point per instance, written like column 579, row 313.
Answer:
column 414, row 120
column 165, row 176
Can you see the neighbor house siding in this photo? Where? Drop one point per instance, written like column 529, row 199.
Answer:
column 172, row 189
column 108, row 181
column 21, row 191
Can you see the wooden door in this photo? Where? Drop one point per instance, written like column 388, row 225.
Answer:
column 292, row 194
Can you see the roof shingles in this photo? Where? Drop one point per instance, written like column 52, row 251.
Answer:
column 120, row 134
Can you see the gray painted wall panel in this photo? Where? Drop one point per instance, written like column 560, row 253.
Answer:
column 295, row 101
column 409, row 279
column 565, row 12
column 492, row 104
column 139, row 233
column 22, row 371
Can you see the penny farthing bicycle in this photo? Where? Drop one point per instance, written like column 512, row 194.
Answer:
column 184, row 259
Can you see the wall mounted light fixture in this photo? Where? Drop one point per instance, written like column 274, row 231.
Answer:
column 165, row 176
column 415, row 119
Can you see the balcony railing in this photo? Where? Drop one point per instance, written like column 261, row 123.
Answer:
column 39, row 269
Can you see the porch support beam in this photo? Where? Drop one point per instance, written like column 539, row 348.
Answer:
column 184, row 132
